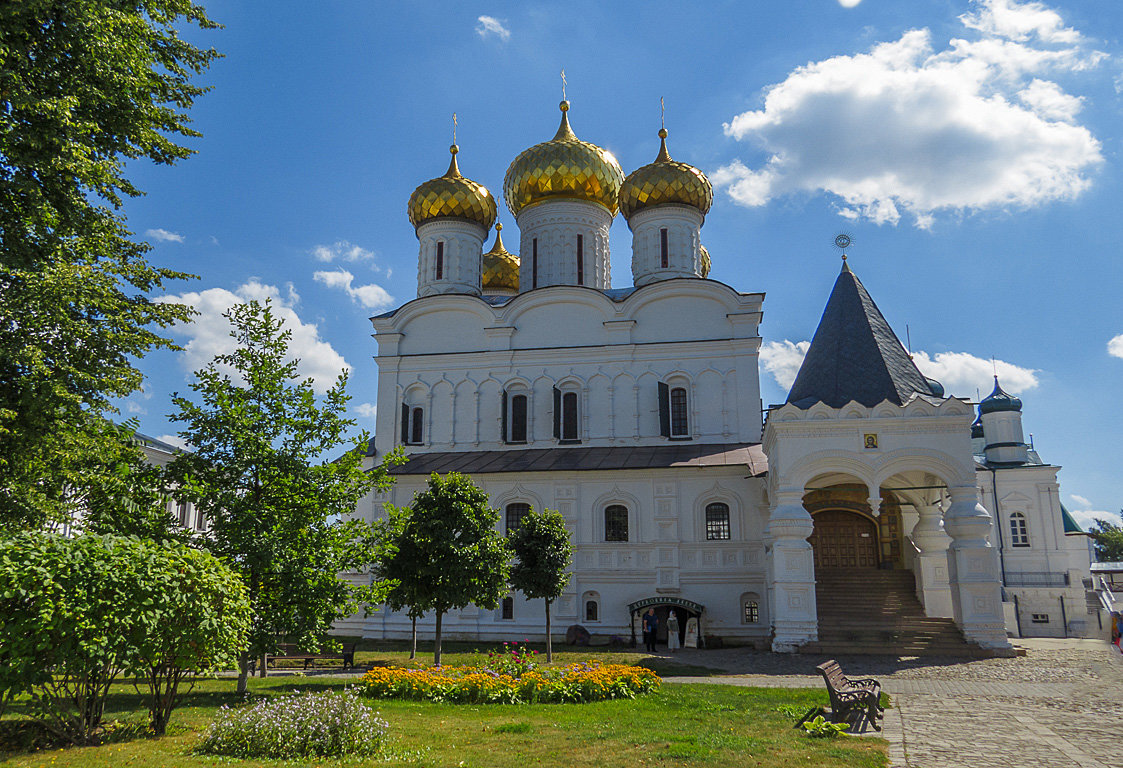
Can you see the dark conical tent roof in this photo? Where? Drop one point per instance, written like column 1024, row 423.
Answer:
column 855, row 355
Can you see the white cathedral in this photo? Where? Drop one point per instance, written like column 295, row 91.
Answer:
column 869, row 512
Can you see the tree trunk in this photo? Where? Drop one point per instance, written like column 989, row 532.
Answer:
column 549, row 640
column 264, row 671
column 243, row 672
column 413, row 637
column 437, row 639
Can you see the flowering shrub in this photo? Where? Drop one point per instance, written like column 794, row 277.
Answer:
column 513, row 660
column 325, row 724
column 472, row 685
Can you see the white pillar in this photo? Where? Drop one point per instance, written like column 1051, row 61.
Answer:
column 791, row 573
column 933, row 587
column 973, row 570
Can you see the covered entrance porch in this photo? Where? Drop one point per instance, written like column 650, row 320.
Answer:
column 687, row 612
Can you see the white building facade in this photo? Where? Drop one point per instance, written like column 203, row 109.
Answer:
column 636, row 412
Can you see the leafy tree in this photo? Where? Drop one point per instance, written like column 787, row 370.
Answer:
column 543, row 554
column 454, row 553
column 278, row 512
column 1108, row 539
column 85, row 86
column 400, row 575
column 78, row 612
column 195, row 623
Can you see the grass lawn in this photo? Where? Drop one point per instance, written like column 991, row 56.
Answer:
column 702, row 725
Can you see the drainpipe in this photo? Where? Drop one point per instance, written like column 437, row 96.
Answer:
column 998, row 527
column 1018, row 615
column 1064, row 619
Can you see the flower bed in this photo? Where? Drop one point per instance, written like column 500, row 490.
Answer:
column 476, row 685
column 324, row 724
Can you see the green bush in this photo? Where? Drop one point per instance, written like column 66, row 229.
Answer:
column 79, row 612
column 325, row 724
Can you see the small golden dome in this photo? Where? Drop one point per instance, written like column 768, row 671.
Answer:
column 665, row 181
column 500, row 268
column 706, row 264
column 563, row 167
column 453, row 197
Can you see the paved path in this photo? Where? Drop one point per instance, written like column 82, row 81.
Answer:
column 1060, row 706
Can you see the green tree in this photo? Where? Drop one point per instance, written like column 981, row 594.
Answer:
column 455, row 554
column 79, row 612
column 278, row 512
column 1108, row 539
column 400, row 574
column 85, row 87
column 543, row 554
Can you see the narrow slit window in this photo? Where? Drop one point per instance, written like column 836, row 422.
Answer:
column 616, row 523
column 679, row 423
column 534, row 263
column 518, row 419
column 663, row 256
column 417, row 417
column 569, row 416
column 580, row 260
column 440, row 259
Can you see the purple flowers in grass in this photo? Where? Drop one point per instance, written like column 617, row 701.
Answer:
column 322, row 724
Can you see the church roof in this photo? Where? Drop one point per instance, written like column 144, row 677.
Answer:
column 855, row 355
column 581, row 459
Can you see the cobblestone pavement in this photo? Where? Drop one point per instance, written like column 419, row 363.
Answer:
column 1060, row 705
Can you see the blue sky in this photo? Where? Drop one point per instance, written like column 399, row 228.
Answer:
column 971, row 148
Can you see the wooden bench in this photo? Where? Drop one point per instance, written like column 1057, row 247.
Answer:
column 851, row 700
column 293, row 652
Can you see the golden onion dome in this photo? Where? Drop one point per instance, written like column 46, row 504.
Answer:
column 706, row 263
column 500, row 268
column 563, row 167
column 452, row 197
column 665, row 181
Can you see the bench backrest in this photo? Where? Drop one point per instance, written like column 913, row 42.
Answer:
column 832, row 673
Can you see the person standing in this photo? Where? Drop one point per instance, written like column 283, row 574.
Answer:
column 650, row 628
column 672, row 632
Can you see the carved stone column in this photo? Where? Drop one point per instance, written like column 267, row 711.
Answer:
column 933, row 587
column 791, row 573
column 973, row 570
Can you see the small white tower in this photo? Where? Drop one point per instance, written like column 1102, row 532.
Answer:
column 563, row 193
column 1001, row 417
column 452, row 215
column 665, row 204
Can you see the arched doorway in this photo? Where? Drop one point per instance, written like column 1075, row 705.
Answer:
column 844, row 539
column 684, row 610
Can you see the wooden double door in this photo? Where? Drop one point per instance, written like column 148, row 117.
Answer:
column 844, row 539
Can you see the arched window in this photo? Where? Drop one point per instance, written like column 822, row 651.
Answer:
column 440, row 260
column 184, row 514
column 679, row 427
column 515, row 514
column 580, row 260
column 592, row 610
column 515, row 418
column 663, row 255
column 417, row 418
column 717, row 522
column 616, row 523
column 750, row 608
column 1019, row 531
column 674, row 416
column 508, row 609
column 565, row 416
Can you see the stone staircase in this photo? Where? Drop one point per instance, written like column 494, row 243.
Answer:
column 875, row 612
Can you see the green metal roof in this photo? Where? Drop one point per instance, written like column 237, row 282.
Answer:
column 1071, row 526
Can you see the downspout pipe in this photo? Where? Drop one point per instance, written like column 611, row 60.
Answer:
column 998, row 524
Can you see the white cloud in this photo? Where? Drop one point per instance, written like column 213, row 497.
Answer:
column 1115, row 346
column 782, row 359
column 175, row 440
column 341, row 250
column 1019, row 21
column 164, row 236
column 134, row 407
column 209, row 331
column 370, row 296
column 962, row 374
column 366, row 410
column 489, row 25
column 849, row 3
column 904, row 129
column 1082, row 509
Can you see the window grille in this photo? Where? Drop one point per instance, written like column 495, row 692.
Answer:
column 616, row 523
